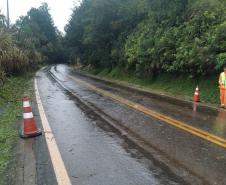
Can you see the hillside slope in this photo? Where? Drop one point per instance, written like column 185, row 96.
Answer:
column 150, row 36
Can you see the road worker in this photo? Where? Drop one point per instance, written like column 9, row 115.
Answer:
column 222, row 85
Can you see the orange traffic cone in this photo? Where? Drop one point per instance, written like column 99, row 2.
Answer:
column 29, row 127
column 196, row 95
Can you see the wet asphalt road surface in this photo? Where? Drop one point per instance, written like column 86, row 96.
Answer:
column 95, row 153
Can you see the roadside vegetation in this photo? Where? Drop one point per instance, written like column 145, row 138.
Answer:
column 31, row 41
column 25, row 46
column 10, row 111
column 182, row 87
column 152, row 40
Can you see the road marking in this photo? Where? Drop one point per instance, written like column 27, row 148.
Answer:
column 57, row 161
column 138, row 107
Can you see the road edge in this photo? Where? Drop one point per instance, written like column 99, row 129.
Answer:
column 135, row 88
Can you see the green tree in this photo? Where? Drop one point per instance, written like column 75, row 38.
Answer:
column 149, row 36
column 36, row 32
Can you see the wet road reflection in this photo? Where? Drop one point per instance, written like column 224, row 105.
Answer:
column 219, row 126
column 94, row 153
column 201, row 158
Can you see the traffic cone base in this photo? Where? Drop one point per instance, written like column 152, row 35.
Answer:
column 38, row 132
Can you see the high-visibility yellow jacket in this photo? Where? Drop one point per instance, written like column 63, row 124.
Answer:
column 222, row 79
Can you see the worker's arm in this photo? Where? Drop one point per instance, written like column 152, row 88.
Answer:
column 220, row 81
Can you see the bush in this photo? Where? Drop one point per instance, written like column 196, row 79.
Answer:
column 14, row 61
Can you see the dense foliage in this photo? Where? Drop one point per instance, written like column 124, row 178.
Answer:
column 12, row 58
column 32, row 40
column 150, row 36
column 37, row 30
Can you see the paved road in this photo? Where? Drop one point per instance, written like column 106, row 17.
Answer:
column 96, row 153
column 92, row 152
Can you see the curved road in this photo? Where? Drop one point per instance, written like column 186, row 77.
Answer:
column 96, row 153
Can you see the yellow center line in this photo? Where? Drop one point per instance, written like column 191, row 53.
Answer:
column 138, row 107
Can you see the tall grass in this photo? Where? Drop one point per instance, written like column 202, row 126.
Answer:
column 14, row 59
